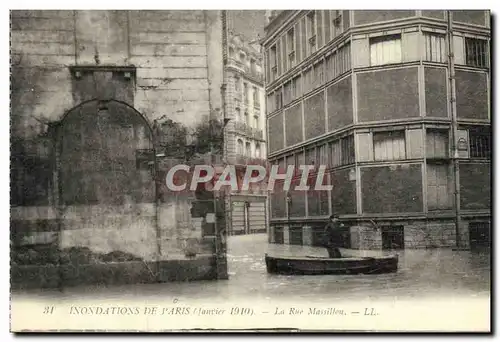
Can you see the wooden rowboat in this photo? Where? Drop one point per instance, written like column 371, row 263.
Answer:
column 309, row 265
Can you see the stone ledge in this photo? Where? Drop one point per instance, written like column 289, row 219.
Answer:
column 108, row 274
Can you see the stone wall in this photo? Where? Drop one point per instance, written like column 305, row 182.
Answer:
column 365, row 237
column 161, row 66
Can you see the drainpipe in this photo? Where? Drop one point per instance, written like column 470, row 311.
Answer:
column 454, row 123
column 220, row 239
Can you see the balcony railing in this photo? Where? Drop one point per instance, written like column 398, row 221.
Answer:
column 233, row 62
column 250, row 132
column 240, row 127
column 258, row 134
column 249, row 70
column 245, row 160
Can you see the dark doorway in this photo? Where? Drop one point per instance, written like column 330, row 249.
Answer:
column 393, row 237
column 279, row 236
column 346, row 237
column 296, row 235
column 479, row 234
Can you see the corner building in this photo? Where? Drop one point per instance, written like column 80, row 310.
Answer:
column 368, row 93
column 244, row 134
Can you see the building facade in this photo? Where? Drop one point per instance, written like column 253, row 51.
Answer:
column 102, row 104
column 245, row 131
column 377, row 98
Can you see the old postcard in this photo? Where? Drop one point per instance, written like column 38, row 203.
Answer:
column 250, row 170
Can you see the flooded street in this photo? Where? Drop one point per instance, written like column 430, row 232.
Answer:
column 431, row 273
column 430, row 285
column 422, row 273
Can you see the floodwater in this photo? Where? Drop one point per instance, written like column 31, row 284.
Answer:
column 422, row 273
column 432, row 272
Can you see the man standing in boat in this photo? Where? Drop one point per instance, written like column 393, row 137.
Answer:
column 333, row 237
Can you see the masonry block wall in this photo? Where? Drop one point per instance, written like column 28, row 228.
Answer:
column 88, row 87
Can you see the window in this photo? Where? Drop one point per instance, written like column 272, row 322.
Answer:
column 279, row 100
column 438, row 189
column 246, row 99
column 288, row 92
column 342, row 151
column 311, row 31
column 336, row 23
column 335, row 154
column 238, row 114
column 323, row 155
column 475, row 52
column 308, row 80
column 271, row 102
column 257, row 150
column 256, row 97
column 237, row 85
column 347, row 149
column 295, row 88
column 480, row 142
column 247, row 119
column 248, row 149
column 338, row 62
column 389, row 145
column 310, row 156
column 290, row 161
column 435, row 48
column 299, row 158
column 290, row 45
column 252, row 66
column 385, row 50
column 239, row 147
column 256, row 122
column 318, row 75
column 437, row 143
column 273, row 63
column 393, row 237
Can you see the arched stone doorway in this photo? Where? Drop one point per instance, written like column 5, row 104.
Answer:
column 106, row 182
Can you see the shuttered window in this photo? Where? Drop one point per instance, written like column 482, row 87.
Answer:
column 295, row 88
column 335, row 154
column 322, row 155
column 347, row 147
column 273, row 63
column 338, row 62
column 290, row 46
column 480, row 142
column 389, row 145
column 437, row 143
column 342, row 151
column 311, row 32
column 475, row 52
column 385, row 50
column 438, row 191
column 310, row 156
column 308, row 80
column 435, row 47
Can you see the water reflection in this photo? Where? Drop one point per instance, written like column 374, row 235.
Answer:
column 436, row 272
